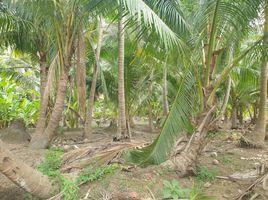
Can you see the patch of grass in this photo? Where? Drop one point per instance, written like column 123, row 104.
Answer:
column 51, row 168
column 69, row 189
column 93, row 173
column 204, row 174
column 51, row 165
column 172, row 189
column 226, row 159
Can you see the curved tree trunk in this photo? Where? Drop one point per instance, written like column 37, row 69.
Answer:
column 122, row 129
column 42, row 140
column 89, row 115
column 185, row 162
column 81, row 74
column 23, row 175
column 258, row 135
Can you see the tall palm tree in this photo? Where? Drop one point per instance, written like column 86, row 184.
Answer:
column 259, row 132
column 122, row 123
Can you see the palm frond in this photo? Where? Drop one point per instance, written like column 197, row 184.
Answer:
column 175, row 124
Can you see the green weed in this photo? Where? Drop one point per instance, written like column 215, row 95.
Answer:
column 69, row 189
column 92, row 173
column 204, row 174
column 172, row 189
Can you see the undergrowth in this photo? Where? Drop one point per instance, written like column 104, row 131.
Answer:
column 173, row 190
column 204, row 174
column 69, row 189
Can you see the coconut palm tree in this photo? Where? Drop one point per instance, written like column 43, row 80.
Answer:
column 211, row 41
column 23, row 175
column 258, row 136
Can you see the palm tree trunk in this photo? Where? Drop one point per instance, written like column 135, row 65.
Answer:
column 234, row 117
column 259, row 132
column 44, row 91
column 43, row 73
column 81, row 74
column 185, row 162
column 165, row 92
column 89, row 116
column 23, row 175
column 42, row 140
column 122, row 129
column 150, row 109
column 241, row 117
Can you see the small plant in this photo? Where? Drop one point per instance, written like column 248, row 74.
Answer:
column 226, row 159
column 92, row 173
column 204, row 174
column 51, row 165
column 173, row 190
column 198, row 194
column 51, row 168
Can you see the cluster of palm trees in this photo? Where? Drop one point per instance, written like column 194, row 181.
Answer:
column 203, row 58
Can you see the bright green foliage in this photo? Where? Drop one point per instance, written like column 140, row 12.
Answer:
column 69, row 189
column 51, row 165
column 17, row 102
column 172, row 189
column 197, row 194
column 204, row 174
column 51, row 168
column 176, row 122
column 93, row 173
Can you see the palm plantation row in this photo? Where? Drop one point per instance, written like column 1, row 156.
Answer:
column 189, row 66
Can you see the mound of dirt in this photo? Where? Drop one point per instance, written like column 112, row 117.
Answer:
column 16, row 133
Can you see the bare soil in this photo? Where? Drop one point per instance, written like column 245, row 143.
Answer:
column 147, row 183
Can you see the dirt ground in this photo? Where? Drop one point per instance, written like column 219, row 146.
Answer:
column 147, row 183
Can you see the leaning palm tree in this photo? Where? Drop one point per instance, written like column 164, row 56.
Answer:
column 23, row 175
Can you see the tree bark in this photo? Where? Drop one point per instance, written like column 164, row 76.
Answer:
column 185, row 162
column 234, row 117
column 241, row 117
column 89, row 116
column 81, row 74
column 122, row 129
column 165, row 91
column 23, row 175
column 42, row 140
column 43, row 74
column 258, row 135
column 150, row 109
column 44, row 91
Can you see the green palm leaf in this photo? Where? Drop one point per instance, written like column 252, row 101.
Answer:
column 175, row 124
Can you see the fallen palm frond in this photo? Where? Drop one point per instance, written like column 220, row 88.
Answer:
column 105, row 154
